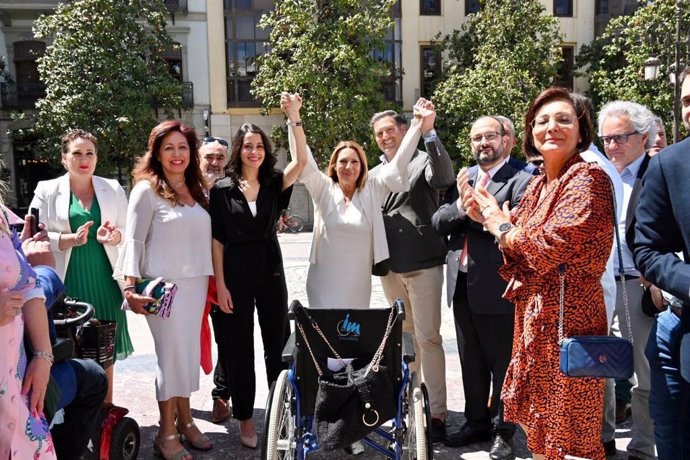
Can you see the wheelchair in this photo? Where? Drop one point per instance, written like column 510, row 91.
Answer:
column 289, row 431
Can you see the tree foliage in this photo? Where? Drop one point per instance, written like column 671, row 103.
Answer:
column 615, row 60
column 499, row 60
column 325, row 49
column 102, row 71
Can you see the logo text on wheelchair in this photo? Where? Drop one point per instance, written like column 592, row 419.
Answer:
column 348, row 330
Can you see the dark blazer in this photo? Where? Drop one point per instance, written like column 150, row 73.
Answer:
column 663, row 229
column 484, row 285
column 633, row 202
column 523, row 166
column 412, row 242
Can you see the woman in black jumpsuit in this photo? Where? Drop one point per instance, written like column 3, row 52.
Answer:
column 244, row 208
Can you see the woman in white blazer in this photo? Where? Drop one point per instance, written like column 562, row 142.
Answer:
column 84, row 216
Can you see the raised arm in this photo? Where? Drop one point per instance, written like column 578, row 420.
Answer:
column 291, row 104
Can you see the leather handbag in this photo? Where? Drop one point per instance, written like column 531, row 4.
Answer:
column 604, row 356
column 351, row 403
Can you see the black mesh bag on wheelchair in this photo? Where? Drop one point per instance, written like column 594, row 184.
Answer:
column 353, row 401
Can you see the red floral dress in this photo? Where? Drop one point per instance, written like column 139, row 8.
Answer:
column 572, row 225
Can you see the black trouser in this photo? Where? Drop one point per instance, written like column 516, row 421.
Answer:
column 485, row 345
column 81, row 415
column 221, row 389
column 268, row 292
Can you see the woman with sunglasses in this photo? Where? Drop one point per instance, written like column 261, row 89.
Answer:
column 247, row 261
column 563, row 227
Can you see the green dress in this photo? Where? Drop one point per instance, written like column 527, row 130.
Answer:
column 90, row 277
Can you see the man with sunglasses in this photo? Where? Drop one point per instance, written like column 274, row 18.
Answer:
column 627, row 130
column 214, row 157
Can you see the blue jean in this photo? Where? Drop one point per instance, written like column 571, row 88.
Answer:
column 669, row 400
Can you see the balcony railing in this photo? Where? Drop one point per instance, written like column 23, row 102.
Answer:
column 21, row 96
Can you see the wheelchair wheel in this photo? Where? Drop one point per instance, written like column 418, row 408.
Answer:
column 427, row 418
column 295, row 224
column 415, row 439
column 267, row 417
column 281, row 423
column 125, row 440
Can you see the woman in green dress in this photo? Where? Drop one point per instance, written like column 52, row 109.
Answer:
column 85, row 218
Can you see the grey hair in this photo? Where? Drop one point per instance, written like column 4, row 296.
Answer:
column 399, row 118
column 506, row 123
column 641, row 118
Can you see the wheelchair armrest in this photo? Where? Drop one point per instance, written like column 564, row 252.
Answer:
column 408, row 354
column 289, row 349
column 292, row 310
column 399, row 305
column 63, row 349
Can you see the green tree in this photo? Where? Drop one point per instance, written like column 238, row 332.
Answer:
column 614, row 62
column 325, row 49
column 103, row 71
column 499, row 60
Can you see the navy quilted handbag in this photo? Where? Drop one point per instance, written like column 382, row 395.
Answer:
column 597, row 356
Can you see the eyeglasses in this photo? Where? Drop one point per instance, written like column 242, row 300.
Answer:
column 536, row 162
column 220, row 140
column 563, row 120
column 490, row 136
column 617, row 138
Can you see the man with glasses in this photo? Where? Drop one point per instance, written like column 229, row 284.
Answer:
column 627, row 130
column 214, row 157
column 483, row 319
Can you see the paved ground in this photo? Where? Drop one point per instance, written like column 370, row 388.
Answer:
column 134, row 382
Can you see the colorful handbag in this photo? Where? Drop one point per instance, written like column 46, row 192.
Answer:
column 163, row 292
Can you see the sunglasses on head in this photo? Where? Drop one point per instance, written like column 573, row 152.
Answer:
column 220, row 140
column 536, row 162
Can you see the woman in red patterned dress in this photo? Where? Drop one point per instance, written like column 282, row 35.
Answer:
column 565, row 218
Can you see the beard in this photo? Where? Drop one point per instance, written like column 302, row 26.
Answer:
column 488, row 155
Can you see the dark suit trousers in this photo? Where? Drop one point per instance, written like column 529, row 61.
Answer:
column 485, row 345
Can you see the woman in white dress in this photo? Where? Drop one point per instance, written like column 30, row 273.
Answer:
column 168, row 234
column 349, row 235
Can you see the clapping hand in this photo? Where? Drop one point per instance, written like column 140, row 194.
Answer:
column 82, row 234
column 108, row 234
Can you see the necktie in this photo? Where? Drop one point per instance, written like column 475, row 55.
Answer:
column 463, row 255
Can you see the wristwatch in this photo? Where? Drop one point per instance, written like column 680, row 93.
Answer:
column 504, row 227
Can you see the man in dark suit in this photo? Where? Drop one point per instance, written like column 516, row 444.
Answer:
column 483, row 319
column 627, row 130
column 662, row 231
column 417, row 252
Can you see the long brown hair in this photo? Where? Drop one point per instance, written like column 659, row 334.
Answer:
column 267, row 170
column 149, row 166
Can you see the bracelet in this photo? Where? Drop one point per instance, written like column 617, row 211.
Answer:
column 129, row 286
column 293, row 123
column 48, row 356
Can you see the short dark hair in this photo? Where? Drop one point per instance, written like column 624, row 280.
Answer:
column 552, row 94
column 75, row 134
column 399, row 118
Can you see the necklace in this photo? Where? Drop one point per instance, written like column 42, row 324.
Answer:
column 176, row 184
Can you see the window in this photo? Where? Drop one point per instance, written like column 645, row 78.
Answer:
column 245, row 41
column 29, row 86
column 431, row 69
column 563, row 8
column 430, row 7
column 391, row 54
column 472, row 6
column 173, row 60
column 601, row 7
column 565, row 76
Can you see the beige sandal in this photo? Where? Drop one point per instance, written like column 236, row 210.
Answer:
column 202, row 443
column 158, row 452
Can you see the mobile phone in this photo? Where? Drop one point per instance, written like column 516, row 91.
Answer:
column 34, row 227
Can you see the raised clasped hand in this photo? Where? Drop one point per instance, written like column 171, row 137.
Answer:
column 108, row 234
column 290, row 104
